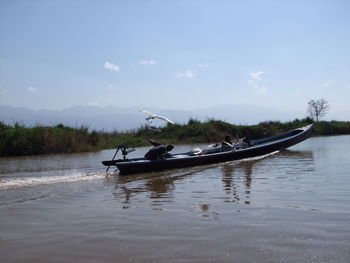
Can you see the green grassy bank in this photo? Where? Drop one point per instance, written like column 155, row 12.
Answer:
column 20, row 140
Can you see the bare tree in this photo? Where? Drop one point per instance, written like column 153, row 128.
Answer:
column 317, row 108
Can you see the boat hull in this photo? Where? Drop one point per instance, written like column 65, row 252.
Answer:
column 275, row 144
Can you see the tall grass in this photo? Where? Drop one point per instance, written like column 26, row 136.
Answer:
column 17, row 139
column 20, row 140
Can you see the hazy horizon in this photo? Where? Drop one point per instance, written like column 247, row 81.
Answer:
column 124, row 118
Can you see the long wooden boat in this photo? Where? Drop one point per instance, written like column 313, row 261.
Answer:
column 214, row 154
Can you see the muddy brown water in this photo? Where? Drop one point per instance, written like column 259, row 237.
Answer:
column 290, row 206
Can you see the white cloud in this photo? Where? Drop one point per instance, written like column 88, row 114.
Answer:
column 256, row 75
column 205, row 65
column 4, row 91
column 187, row 74
column 111, row 66
column 32, row 89
column 256, row 83
column 147, row 62
column 110, row 87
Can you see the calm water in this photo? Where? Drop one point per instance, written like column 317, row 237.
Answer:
column 292, row 206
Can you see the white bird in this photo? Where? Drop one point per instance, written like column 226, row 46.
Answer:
column 152, row 116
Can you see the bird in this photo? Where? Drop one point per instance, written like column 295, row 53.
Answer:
column 152, row 116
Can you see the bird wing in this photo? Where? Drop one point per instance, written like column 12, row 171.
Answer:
column 152, row 116
column 148, row 113
column 165, row 119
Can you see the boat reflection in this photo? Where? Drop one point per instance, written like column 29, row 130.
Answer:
column 237, row 179
column 156, row 185
column 232, row 181
column 240, row 174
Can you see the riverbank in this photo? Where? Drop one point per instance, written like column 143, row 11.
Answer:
column 18, row 140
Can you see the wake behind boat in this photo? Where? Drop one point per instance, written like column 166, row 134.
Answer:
column 213, row 154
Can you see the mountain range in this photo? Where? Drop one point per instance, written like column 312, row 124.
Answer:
column 125, row 118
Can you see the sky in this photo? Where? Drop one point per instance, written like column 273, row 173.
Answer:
column 183, row 54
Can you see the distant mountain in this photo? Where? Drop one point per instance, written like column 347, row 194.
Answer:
column 123, row 118
column 94, row 117
column 233, row 113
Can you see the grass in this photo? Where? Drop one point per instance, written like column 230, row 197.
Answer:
column 17, row 139
column 21, row 140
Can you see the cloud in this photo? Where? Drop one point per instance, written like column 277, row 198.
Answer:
column 255, row 81
column 187, row 74
column 32, row 89
column 4, row 91
column 147, row 62
column 256, row 75
column 112, row 66
column 205, row 65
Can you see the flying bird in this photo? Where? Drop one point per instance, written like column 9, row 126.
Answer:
column 152, row 116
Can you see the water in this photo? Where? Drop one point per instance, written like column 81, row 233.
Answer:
column 291, row 206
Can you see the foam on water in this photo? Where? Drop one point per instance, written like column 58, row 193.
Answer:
column 75, row 176
column 258, row 157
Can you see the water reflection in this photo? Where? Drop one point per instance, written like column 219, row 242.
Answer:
column 237, row 178
column 240, row 174
column 156, row 185
column 230, row 186
column 231, row 183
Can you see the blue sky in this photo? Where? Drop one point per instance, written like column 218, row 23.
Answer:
column 175, row 54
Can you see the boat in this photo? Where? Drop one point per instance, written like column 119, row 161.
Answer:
column 215, row 153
